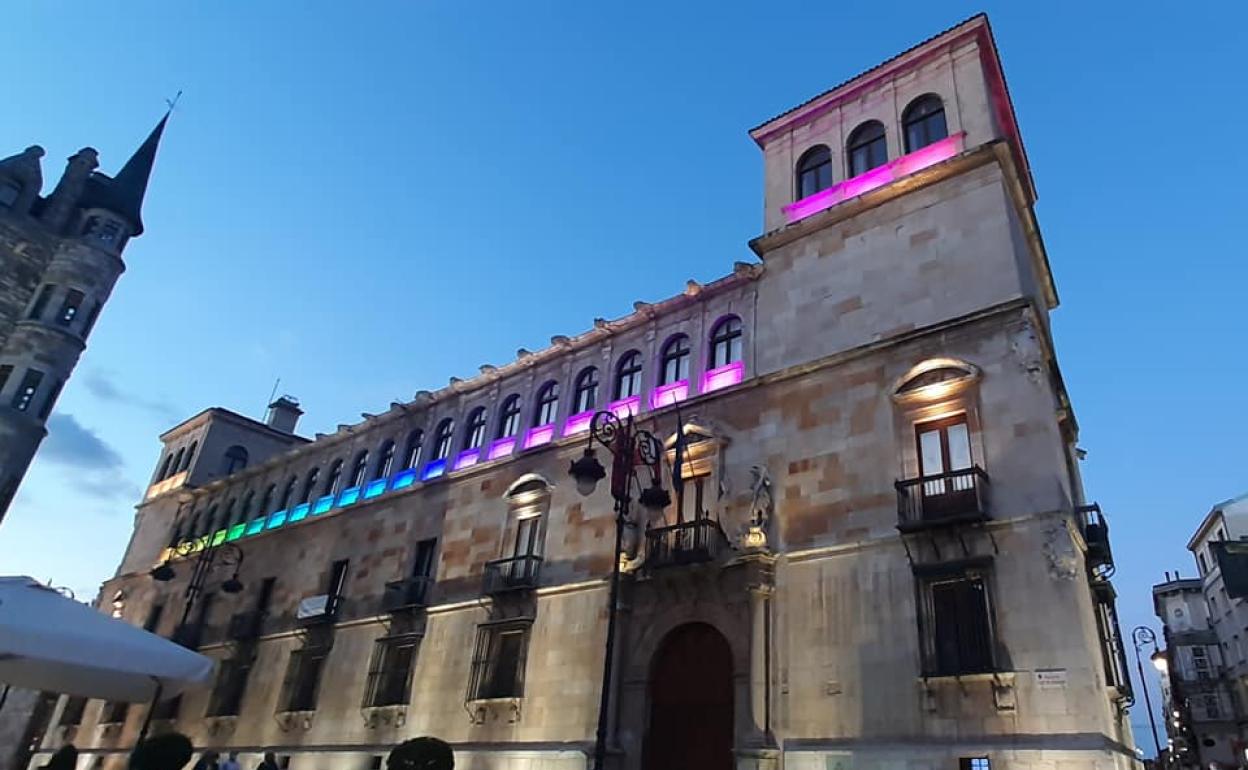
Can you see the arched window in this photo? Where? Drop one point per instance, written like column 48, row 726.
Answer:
column 547, row 404
column 190, row 455
column 266, row 501
column 924, row 122
column 814, row 171
column 235, row 460
column 474, row 430
column 726, row 342
column 585, row 396
column 309, row 485
column 867, row 148
column 628, row 375
column 164, row 468
column 244, row 513
column 333, row 480
column 385, row 460
column 509, row 418
column 358, row 469
column 177, row 461
column 675, row 360
column 442, row 439
column 287, row 494
column 528, row 499
column 226, row 519
column 411, row 450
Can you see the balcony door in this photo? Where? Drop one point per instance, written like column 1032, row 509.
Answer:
column 944, row 452
column 691, row 702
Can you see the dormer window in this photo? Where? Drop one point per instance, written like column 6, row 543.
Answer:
column 867, row 148
column 107, row 232
column 814, row 171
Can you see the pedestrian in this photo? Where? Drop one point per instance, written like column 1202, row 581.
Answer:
column 65, row 758
column 230, row 762
column 170, row 751
column 268, row 763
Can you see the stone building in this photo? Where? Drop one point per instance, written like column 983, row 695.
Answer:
column 884, row 555
column 60, row 256
column 1206, row 629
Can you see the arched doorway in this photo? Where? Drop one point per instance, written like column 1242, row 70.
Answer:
column 690, row 702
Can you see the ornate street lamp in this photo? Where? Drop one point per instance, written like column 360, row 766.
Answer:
column 1140, row 636
column 633, row 450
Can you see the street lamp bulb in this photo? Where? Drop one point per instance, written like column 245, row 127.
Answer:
column 587, row 472
column 163, row 572
column 1159, row 661
column 233, row 585
column 654, row 498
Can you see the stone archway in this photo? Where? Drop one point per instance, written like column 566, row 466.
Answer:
column 690, row 724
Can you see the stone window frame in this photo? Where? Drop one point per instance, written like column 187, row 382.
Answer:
column 380, row 667
column 484, row 662
column 916, row 404
column 928, row 576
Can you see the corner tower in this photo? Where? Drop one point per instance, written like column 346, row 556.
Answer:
column 60, row 257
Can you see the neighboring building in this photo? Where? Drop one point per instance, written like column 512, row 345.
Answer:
column 60, row 256
column 59, row 259
column 1197, row 700
column 843, row 586
column 1206, row 627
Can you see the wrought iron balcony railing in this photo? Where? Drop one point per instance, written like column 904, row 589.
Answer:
column 956, row 497
column 409, row 594
column 517, row 573
column 689, row 542
column 1095, row 530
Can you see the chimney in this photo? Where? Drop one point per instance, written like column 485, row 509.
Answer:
column 64, row 198
column 284, row 414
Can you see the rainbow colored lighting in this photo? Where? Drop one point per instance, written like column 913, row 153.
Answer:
column 276, row 519
column 433, row 469
column 218, row 537
column 322, row 505
column 501, row 448
column 467, row 458
column 625, row 407
column 542, row 434
column 348, row 496
column 235, row 532
column 254, row 526
column 890, row 172
column 671, row 393
column 578, row 422
column 404, row 479
column 723, row 376
column 298, row 513
column 374, row 488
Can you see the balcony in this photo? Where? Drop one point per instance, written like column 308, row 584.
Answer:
column 518, row 573
column 317, row 610
column 689, row 542
column 948, row 499
column 245, row 626
column 1095, row 530
column 404, row 595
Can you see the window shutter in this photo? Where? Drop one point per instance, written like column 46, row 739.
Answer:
column 480, row 661
column 375, row 666
column 975, row 633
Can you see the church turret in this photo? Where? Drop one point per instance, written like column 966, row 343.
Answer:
column 76, row 244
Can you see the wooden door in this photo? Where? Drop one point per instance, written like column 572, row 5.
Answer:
column 691, row 702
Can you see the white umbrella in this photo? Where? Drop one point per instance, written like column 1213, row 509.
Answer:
column 49, row 642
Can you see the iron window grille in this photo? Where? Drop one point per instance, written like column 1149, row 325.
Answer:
column 956, row 629
column 390, row 671
column 303, row 678
column 498, row 660
column 230, row 686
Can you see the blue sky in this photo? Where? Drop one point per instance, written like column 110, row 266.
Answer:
column 367, row 202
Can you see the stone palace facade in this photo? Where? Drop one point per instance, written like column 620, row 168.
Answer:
column 885, row 557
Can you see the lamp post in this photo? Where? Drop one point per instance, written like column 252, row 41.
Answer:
column 1140, row 636
column 632, row 450
column 209, row 557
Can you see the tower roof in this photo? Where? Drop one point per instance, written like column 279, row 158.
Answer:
column 123, row 194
